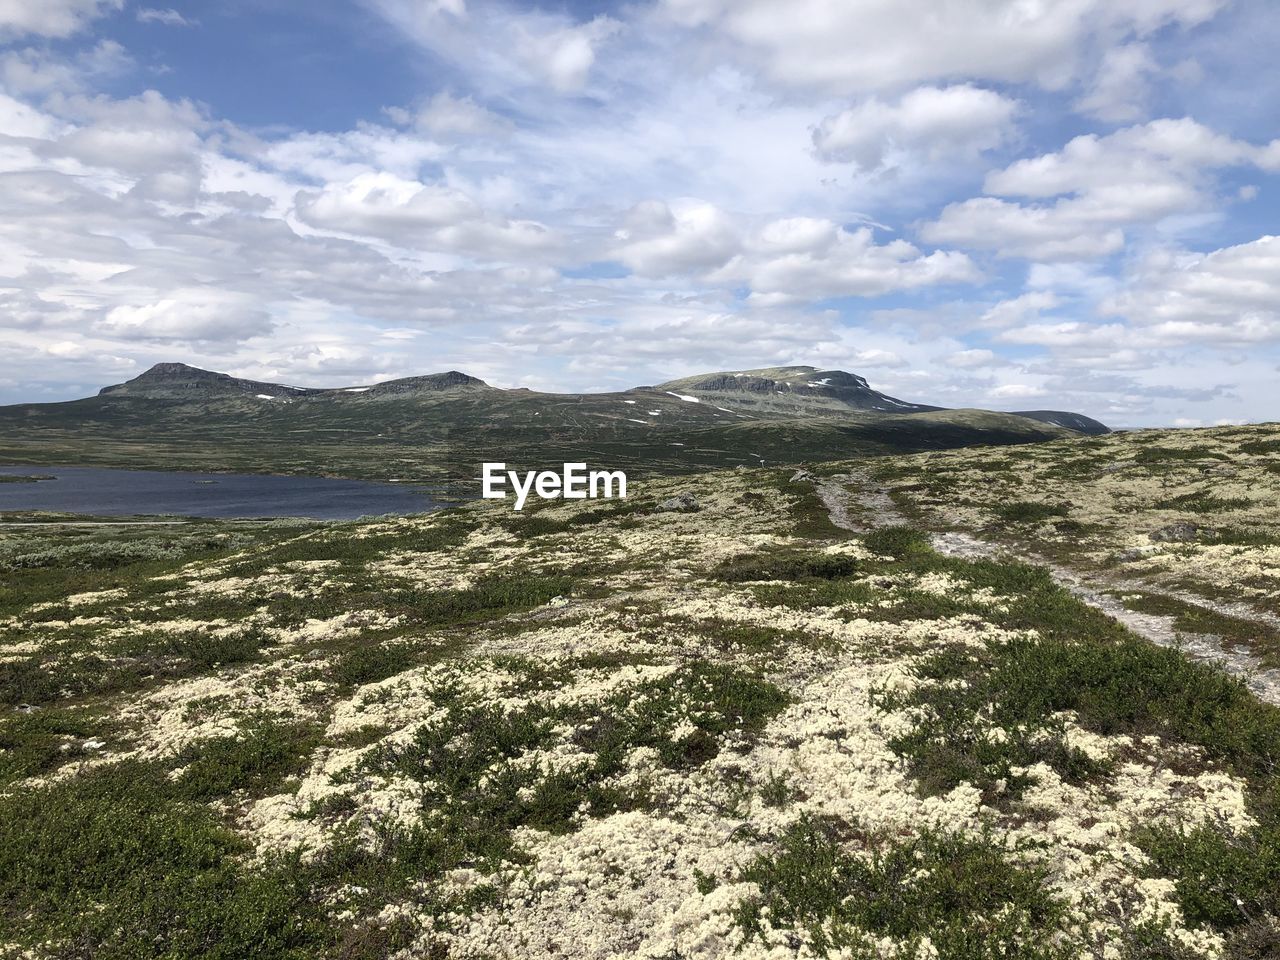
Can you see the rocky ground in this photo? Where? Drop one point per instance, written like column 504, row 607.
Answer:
column 852, row 714
column 1175, row 533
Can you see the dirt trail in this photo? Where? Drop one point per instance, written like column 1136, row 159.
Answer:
column 855, row 493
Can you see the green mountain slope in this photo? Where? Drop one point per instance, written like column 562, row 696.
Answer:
column 444, row 425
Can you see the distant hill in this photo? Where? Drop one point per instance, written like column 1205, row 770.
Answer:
column 777, row 391
column 178, row 381
column 1072, row 421
column 440, row 425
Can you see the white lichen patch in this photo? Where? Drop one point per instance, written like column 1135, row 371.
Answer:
column 575, row 734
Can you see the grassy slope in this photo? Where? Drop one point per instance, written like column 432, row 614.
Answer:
column 599, row 730
column 448, row 434
column 1107, row 507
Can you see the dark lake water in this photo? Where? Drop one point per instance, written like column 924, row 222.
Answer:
column 103, row 492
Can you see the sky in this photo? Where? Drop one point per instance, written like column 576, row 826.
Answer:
column 1010, row 204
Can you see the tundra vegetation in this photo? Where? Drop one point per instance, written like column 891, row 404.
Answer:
column 597, row 730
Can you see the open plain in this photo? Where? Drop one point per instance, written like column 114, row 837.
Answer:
column 917, row 706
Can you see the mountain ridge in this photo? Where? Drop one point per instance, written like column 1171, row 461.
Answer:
column 772, row 392
column 442, row 426
column 164, row 380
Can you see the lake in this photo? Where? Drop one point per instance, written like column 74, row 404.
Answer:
column 106, row 492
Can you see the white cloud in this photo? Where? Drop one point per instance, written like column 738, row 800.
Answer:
column 656, row 240
column 51, row 18
column 949, row 122
column 871, row 45
column 457, row 232
column 40, row 71
column 192, row 315
column 1013, row 230
column 841, row 263
column 382, row 203
column 1016, row 391
column 1103, row 185
column 18, row 119
column 414, row 214
column 564, row 57
column 1069, row 334
column 147, row 134
column 1162, row 151
column 445, row 115
column 1119, row 90
column 785, row 261
column 875, row 357
column 1228, row 296
column 166, row 17
column 1020, row 309
column 971, row 359
column 501, row 45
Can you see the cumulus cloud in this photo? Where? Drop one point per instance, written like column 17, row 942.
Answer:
column 189, row 316
column 166, row 17
column 1230, row 296
column 564, row 57
column 575, row 202
column 406, row 212
column 791, row 260
column 1020, row 309
column 1102, row 185
column 1064, row 232
column 1016, row 391
column 1173, row 302
column 840, row 263
column 1119, row 90
column 51, row 18
column 147, row 134
column 21, row 120
column 971, row 359
column 503, row 44
column 446, row 115
column 1159, row 151
column 380, row 203
column 656, row 240
column 873, row 45
column 937, row 122
column 29, row 70
column 1069, row 334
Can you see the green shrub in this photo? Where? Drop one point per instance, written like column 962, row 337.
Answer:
column 111, row 866
column 1223, row 880
column 1124, row 686
column 899, row 542
column 1027, row 511
column 1177, row 454
column 785, row 565
column 960, row 892
column 476, row 796
column 265, row 752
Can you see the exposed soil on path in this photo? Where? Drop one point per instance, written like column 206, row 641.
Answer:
column 854, row 502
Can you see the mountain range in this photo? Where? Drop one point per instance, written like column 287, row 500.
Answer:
column 443, row 425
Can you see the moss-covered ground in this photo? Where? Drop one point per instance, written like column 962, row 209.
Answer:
column 604, row 730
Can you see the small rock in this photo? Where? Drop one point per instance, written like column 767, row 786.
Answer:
column 93, row 744
column 1184, row 531
column 1129, row 556
column 680, row 503
column 802, row 476
column 558, row 602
